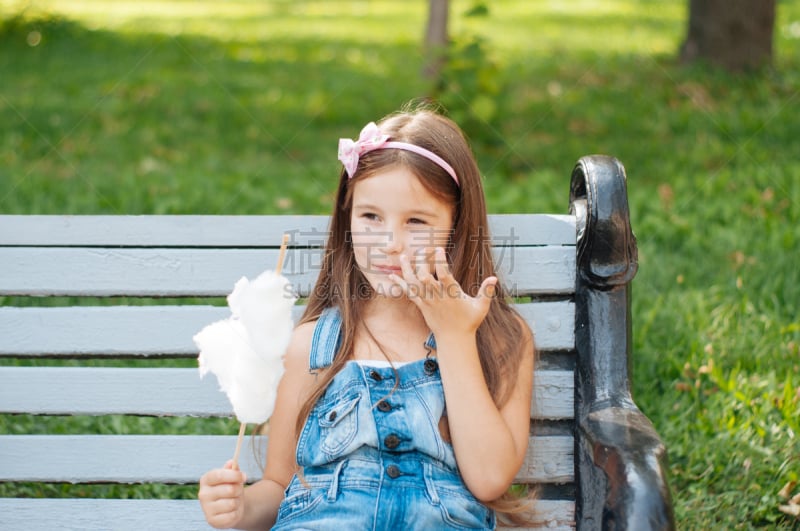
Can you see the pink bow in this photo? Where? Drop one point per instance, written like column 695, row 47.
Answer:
column 369, row 139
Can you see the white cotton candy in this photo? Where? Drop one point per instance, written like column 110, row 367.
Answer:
column 246, row 350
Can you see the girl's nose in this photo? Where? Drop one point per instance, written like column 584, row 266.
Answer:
column 393, row 245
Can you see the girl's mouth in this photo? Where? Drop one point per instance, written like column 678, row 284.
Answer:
column 387, row 270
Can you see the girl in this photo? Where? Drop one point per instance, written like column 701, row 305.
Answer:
column 406, row 398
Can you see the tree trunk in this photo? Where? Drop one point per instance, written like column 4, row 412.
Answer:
column 436, row 38
column 733, row 34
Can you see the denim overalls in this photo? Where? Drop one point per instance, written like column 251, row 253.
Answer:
column 374, row 459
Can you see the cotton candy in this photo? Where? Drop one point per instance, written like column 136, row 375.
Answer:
column 245, row 351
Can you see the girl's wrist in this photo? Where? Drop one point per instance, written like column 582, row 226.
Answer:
column 455, row 340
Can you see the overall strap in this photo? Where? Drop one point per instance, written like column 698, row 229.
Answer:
column 326, row 339
column 431, row 342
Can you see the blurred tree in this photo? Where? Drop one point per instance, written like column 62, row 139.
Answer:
column 733, row 34
column 467, row 81
column 436, row 38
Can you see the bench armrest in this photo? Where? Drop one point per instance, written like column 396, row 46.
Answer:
column 622, row 464
column 619, row 456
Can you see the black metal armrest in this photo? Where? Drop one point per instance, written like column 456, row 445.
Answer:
column 619, row 456
column 630, row 490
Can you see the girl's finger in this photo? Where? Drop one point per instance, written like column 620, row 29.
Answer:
column 422, row 268
column 443, row 268
column 406, row 269
column 224, row 475
column 486, row 293
column 488, row 288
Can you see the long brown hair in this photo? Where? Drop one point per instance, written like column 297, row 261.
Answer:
column 341, row 284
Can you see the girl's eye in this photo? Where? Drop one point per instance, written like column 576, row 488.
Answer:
column 370, row 216
column 416, row 221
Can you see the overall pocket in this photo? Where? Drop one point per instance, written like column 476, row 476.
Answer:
column 299, row 501
column 460, row 510
column 338, row 424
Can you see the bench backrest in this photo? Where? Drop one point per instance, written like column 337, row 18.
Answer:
column 97, row 322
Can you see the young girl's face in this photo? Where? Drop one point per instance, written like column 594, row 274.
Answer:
column 394, row 215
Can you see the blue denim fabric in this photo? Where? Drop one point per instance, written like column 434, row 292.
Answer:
column 374, row 458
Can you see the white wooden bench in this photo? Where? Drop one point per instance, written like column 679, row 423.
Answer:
column 595, row 457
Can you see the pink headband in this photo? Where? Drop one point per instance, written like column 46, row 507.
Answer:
column 371, row 139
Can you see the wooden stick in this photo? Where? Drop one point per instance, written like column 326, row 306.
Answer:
column 242, row 426
column 282, row 254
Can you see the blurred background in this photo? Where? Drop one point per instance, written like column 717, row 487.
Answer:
column 236, row 107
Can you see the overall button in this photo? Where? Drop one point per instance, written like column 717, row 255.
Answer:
column 375, row 376
column 332, row 416
column 393, row 472
column 430, row 366
column 391, row 441
column 384, row 406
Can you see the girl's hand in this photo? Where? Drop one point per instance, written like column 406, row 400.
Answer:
column 444, row 305
column 221, row 496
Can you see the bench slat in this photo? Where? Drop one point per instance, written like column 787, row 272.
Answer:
column 167, row 515
column 179, row 392
column 117, row 330
column 238, row 231
column 182, row 459
column 86, row 271
column 101, row 514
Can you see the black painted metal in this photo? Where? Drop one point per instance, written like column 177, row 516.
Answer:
column 620, row 459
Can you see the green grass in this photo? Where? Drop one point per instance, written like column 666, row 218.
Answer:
column 236, row 108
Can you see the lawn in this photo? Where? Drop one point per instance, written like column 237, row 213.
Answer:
column 236, row 107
